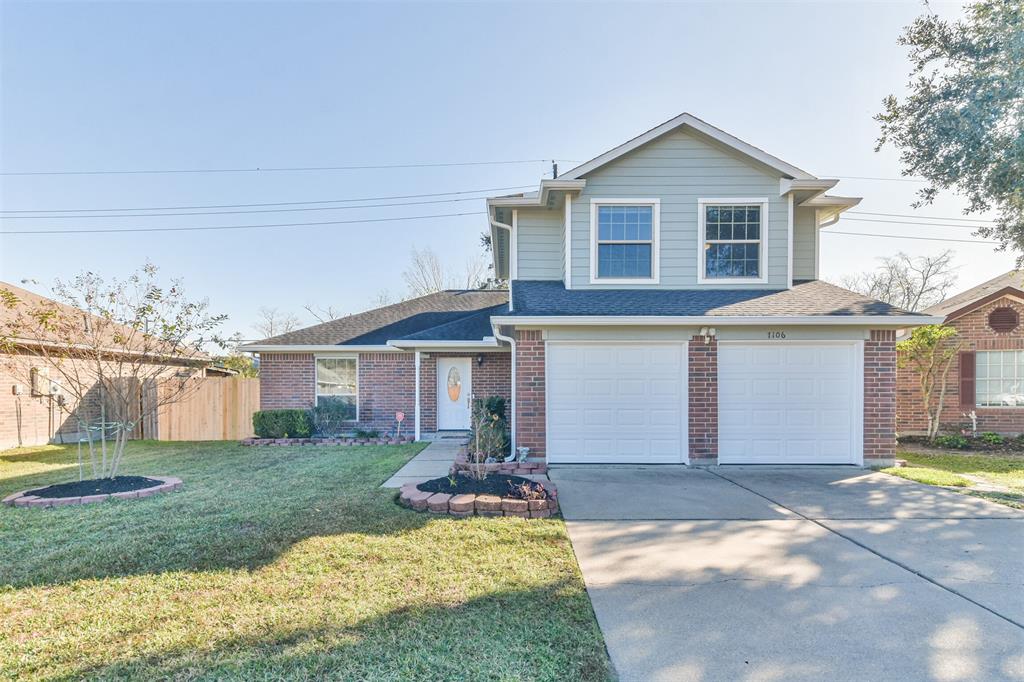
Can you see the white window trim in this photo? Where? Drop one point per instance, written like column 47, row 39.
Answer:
column 316, row 370
column 977, row 401
column 655, row 277
column 762, row 248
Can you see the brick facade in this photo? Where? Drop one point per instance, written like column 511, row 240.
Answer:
column 973, row 334
column 387, row 384
column 703, row 400
column 493, row 377
column 531, row 412
column 287, row 380
column 880, row 397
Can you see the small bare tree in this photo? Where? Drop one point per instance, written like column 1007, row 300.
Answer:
column 929, row 352
column 322, row 313
column 105, row 344
column 905, row 282
column 273, row 322
column 426, row 274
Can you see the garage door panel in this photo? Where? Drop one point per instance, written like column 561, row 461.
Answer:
column 795, row 402
column 629, row 399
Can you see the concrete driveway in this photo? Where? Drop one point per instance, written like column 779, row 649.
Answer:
column 800, row 573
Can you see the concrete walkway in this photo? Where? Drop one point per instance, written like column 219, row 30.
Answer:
column 432, row 462
column 796, row 574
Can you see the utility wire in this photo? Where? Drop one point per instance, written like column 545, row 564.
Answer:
column 909, row 222
column 924, row 217
column 868, row 177
column 239, row 227
column 283, row 169
column 277, row 203
column 899, row 236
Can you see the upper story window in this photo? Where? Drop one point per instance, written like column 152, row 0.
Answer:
column 624, row 236
column 337, row 384
column 731, row 233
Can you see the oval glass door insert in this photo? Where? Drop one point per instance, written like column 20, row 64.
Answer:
column 454, row 384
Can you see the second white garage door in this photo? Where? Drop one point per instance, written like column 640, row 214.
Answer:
column 616, row 403
column 790, row 402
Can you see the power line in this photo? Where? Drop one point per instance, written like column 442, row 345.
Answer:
column 262, row 210
column 924, row 217
column 239, row 227
column 277, row 203
column 910, row 222
column 868, row 177
column 899, row 236
column 283, row 169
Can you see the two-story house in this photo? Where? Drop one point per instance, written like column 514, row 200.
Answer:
column 664, row 306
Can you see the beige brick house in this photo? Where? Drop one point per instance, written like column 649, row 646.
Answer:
column 987, row 375
column 665, row 306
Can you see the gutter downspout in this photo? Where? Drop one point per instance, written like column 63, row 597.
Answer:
column 512, row 424
column 416, row 419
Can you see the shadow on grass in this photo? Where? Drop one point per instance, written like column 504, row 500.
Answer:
column 543, row 633
column 240, row 507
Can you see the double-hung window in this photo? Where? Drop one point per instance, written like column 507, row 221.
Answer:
column 999, row 378
column 337, row 384
column 625, row 240
column 732, row 240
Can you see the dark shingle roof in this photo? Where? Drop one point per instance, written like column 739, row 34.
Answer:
column 1013, row 278
column 806, row 298
column 416, row 316
column 470, row 328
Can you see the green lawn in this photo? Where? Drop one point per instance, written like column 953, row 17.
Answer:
column 950, row 468
column 281, row 563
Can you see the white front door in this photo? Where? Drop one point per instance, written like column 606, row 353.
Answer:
column 454, row 393
column 617, row 403
column 790, row 402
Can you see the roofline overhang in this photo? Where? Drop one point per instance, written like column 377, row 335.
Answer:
column 313, row 348
column 971, row 306
column 543, row 194
column 488, row 342
column 872, row 321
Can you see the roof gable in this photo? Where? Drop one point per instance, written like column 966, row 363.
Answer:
column 692, row 123
column 1011, row 283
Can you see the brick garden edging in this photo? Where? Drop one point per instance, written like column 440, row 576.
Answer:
column 481, row 505
column 326, row 441
column 21, row 499
column 522, row 468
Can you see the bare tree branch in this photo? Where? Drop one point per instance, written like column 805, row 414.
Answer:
column 273, row 322
column 907, row 282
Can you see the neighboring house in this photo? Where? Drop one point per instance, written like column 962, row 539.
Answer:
column 987, row 374
column 666, row 307
column 34, row 408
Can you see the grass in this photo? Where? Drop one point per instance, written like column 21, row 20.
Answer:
column 281, row 563
column 958, row 470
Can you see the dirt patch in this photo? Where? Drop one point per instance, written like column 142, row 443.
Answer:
column 96, row 486
column 501, row 485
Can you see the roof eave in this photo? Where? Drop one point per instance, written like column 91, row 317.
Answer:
column 872, row 321
column 313, row 348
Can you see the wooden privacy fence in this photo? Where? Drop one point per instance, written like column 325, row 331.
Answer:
column 220, row 408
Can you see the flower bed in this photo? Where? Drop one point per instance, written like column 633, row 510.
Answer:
column 30, row 498
column 480, row 504
column 326, row 441
column 527, row 467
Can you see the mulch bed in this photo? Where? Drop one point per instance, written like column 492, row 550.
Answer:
column 96, row 486
column 495, row 484
column 1009, row 446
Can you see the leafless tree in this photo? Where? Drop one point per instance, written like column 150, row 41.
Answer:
column 273, row 322
column 910, row 283
column 426, row 274
column 323, row 313
column 383, row 298
column 122, row 349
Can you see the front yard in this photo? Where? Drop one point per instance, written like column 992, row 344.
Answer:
column 996, row 477
column 281, row 562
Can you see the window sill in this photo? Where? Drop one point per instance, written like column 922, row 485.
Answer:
column 624, row 280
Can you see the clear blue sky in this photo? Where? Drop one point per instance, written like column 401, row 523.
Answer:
column 151, row 85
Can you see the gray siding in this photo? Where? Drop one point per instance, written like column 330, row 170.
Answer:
column 804, row 246
column 679, row 169
column 541, row 243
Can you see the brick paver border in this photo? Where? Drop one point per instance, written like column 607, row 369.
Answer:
column 23, row 499
column 481, row 505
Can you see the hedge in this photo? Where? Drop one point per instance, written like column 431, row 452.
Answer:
column 282, row 424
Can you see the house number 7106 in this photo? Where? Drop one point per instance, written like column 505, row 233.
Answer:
column 776, row 335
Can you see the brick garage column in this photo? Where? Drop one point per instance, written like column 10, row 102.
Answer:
column 880, row 398
column 531, row 429
column 703, row 405
column 287, row 380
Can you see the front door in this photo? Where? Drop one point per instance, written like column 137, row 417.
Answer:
column 454, row 391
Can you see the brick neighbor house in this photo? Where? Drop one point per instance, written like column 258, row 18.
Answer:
column 665, row 306
column 987, row 374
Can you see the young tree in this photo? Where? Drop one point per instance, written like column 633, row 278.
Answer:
column 426, row 274
column 961, row 125
column 273, row 322
column 905, row 282
column 236, row 360
column 120, row 350
column 929, row 352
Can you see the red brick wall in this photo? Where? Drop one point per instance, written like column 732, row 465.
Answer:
column 973, row 334
column 387, row 384
column 703, row 399
column 880, row 396
column 287, row 380
column 531, row 427
column 493, row 377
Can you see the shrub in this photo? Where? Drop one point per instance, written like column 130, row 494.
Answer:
column 495, row 406
column 992, row 438
column 282, row 424
column 331, row 417
column 951, row 442
column 367, row 433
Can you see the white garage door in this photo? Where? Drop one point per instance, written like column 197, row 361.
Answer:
column 790, row 403
column 616, row 403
